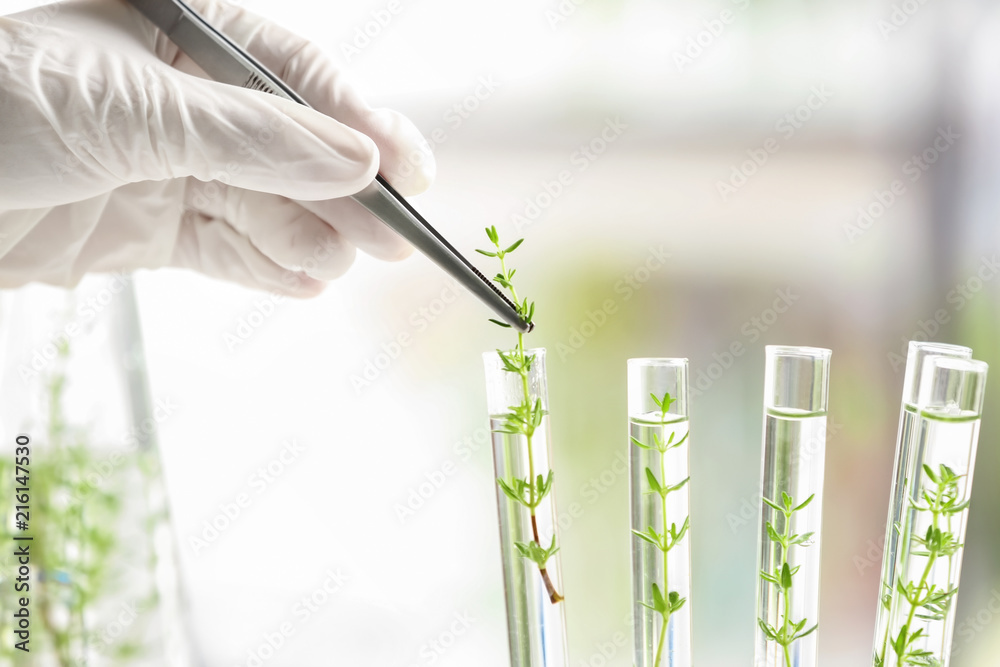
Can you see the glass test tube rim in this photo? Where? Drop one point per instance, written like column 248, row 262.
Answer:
column 946, row 412
column 494, row 364
column 798, row 351
column 681, row 365
column 658, row 361
column 920, row 351
column 818, row 355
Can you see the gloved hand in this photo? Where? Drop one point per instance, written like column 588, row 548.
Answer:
column 116, row 152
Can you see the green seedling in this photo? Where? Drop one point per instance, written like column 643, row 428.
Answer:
column 928, row 603
column 668, row 535
column 523, row 419
column 787, row 631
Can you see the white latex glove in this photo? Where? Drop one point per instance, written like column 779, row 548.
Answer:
column 116, row 152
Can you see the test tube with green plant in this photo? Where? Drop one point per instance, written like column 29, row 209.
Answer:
column 517, row 400
column 937, row 489
column 909, row 418
column 658, row 474
column 796, row 382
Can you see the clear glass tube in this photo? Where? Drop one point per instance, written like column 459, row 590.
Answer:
column 917, row 353
column 659, row 492
column 536, row 624
column 796, row 382
column 103, row 588
column 937, row 488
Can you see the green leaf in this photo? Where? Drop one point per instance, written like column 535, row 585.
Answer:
column 658, row 443
column 544, row 485
column 499, row 323
column 770, row 578
column 658, row 602
column 638, row 444
column 509, row 491
column 804, row 504
column 679, row 442
column 552, row 549
column 654, row 483
column 491, row 233
column 786, row 500
column 930, row 473
column 677, row 535
column 801, row 539
column 679, row 485
column 486, row 252
column 955, row 509
column 650, row 535
column 533, row 552
column 772, row 504
column 768, row 631
column 513, row 246
column 508, row 364
column 786, row 576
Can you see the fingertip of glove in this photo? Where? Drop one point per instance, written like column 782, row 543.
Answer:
column 353, row 163
column 349, row 164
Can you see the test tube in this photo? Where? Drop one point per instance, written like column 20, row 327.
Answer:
column 536, row 623
column 661, row 551
column 796, row 382
column 918, row 351
column 937, row 488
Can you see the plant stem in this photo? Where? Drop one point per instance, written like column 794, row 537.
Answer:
column 935, row 512
column 784, row 592
column 666, row 575
column 554, row 596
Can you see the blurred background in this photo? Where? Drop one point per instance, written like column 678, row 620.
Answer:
column 676, row 169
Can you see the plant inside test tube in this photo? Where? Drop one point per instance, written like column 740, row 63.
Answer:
column 666, row 536
column 523, row 419
column 788, row 630
column 940, row 498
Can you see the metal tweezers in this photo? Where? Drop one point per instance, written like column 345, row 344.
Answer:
column 226, row 62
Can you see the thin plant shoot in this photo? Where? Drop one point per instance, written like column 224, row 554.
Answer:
column 928, row 603
column 787, row 630
column 667, row 535
column 523, row 419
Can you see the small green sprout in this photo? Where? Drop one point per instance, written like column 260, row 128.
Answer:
column 788, row 631
column 928, row 602
column 523, row 419
column 669, row 535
